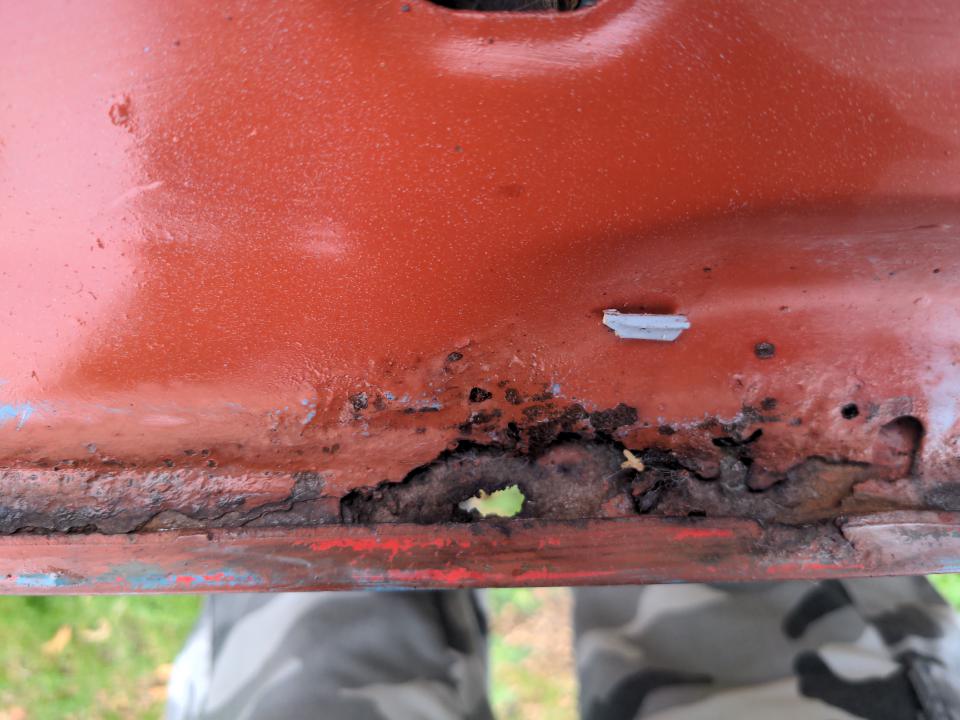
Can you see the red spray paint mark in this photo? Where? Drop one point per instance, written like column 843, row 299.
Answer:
column 394, row 546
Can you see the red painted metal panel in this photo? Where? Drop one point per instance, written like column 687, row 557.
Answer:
column 344, row 263
column 520, row 552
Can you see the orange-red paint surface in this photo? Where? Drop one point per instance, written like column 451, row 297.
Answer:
column 587, row 553
column 221, row 222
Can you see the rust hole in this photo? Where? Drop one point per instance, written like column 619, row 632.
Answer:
column 898, row 444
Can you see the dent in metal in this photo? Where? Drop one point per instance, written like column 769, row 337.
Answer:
column 641, row 326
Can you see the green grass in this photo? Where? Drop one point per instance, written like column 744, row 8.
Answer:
column 524, row 601
column 114, row 665
column 531, row 669
column 949, row 587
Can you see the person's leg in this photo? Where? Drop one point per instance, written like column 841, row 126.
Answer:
column 884, row 648
column 357, row 655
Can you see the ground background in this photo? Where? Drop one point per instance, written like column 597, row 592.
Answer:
column 108, row 658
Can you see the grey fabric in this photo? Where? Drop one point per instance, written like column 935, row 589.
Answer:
column 334, row 655
column 880, row 649
column 835, row 649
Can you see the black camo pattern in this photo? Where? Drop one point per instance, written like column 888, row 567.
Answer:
column 876, row 649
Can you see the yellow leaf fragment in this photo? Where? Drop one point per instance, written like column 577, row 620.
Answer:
column 61, row 638
column 98, row 634
column 632, row 462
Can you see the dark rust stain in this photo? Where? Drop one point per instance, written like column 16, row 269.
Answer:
column 569, row 480
column 478, row 395
column 513, row 396
column 566, row 461
column 608, row 421
column 122, row 502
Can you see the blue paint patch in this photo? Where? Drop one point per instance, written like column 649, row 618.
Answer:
column 22, row 411
column 150, row 582
column 310, row 416
column 147, row 578
column 389, row 395
column 44, row 580
column 555, row 389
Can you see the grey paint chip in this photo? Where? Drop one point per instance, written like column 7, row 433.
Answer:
column 641, row 326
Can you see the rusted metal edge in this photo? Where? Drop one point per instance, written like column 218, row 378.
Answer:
column 491, row 553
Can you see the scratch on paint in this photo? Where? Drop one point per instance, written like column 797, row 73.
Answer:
column 461, row 576
column 228, row 578
column 394, row 546
column 135, row 191
column 311, row 411
column 43, row 580
column 149, row 577
column 140, row 581
column 113, row 410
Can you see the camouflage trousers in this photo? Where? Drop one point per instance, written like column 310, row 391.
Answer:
column 886, row 648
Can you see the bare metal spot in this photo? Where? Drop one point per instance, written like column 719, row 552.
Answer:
column 642, row 326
